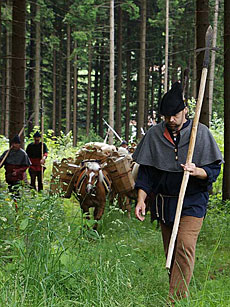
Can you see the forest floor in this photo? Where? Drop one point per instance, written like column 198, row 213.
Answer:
column 49, row 258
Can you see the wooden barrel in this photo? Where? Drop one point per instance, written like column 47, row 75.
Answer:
column 119, row 171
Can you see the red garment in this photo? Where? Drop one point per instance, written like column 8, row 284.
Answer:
column 36, row 165
column 20, row 172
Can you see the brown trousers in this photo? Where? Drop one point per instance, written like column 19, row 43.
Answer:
column 184, row 254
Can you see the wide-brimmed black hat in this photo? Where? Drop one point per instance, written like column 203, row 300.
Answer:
column 37, row 134
column 172, row 102
column 16, row 140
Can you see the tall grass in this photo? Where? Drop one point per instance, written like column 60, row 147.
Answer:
column 49, row 255
column 49, row 258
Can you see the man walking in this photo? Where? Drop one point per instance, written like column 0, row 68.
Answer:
column 162, row 157
column 15, row 164
column 34, row 151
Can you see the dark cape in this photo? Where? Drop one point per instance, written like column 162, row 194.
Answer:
column 157, row 151
column 16, row 157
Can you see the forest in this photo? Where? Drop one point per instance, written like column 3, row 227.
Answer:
column 68, row 67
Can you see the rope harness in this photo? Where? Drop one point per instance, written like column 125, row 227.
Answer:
column 92, row 192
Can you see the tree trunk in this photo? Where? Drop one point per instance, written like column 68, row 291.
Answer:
column 0, row 28
column 119, row 71
column 54, row 92
column 37, row 67
column 226, row 177
column 146, row 114
column 60, row 98
column 166, row 46
column 152, row 92
column 174, row 68
column 185, row 84
column 186, row 72
column 3, row 103
column 95, row 97
column 212, row 63
column 88, row 110
column 60, row 71
column 8, row 75
column 111, row 72
column 128, row 91
column 194, row 73
column 101, row 91
column 158, row 116
column 2, row 109
column 202, row 23
column 31, row 89
column 75, row 86
column 141, row 93
column 68, row 79
column 17, row 102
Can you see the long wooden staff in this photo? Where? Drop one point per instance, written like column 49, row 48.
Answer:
column 208, row 44
column 107, row 135
column 19, row 134
column 111, row 129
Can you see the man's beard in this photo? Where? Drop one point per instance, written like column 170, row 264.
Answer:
column 173, row 127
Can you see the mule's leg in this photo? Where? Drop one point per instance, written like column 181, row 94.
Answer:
column 85, row 211
column 128, row 206
column 121, row 202
column 124, row 203
column 112, row 196
column 98, row 212
column 99, row 203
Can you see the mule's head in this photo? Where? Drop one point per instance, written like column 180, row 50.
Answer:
column 93, row 176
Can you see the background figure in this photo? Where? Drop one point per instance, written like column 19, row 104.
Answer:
column 123, row 148
column 15, row 165
column 34, row 151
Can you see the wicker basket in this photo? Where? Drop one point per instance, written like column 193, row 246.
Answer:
column 62, row 174
column 119, row 171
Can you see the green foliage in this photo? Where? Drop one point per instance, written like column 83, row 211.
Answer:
column 54, row 41
column 4, row 145
column 3, row 142
column 50, row 258
column 219, row 207
column 92, row 137
column 89, row 21
column 80, row 36
column 46, row 15
column 131, row 8
column 191, row 107
column 217, row 124
column 217, row 129
column 6, row 14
